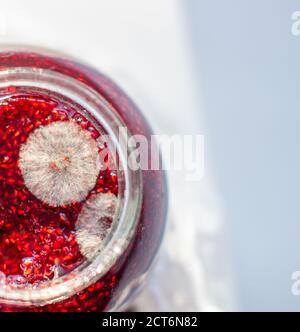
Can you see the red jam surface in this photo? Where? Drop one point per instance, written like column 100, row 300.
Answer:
column 37, row 240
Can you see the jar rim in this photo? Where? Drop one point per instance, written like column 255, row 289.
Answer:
column 123, row 230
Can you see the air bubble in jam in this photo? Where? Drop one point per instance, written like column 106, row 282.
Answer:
column 38, row 240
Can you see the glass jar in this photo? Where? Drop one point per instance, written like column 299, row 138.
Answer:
column 74, row 235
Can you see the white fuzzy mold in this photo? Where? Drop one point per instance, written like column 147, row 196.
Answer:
column 60, row 163
column 94, row 222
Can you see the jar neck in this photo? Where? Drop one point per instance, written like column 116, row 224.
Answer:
column 129, row 186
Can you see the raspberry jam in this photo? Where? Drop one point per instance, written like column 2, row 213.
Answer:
column 38, row 240
column 77, row 233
